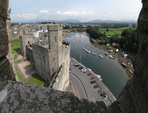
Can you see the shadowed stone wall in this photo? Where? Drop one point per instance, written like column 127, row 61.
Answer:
column 41, row 61
column 134, row 96
column 5, row 68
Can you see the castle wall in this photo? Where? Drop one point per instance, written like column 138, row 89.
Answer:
column 29, row 53
column 59, row 55
column 26, row 40
column 62, row 79
column 41, row 34
column 41, row 61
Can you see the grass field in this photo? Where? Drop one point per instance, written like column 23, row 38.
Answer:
column 19, row 77
column 18, row 61
column 15, row 45
column 114, row 31
column 15, row 57
column 36, row 80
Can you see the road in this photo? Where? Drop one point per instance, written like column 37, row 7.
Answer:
column 79, row 87
column 85, row 89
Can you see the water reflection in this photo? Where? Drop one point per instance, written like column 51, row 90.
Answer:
column 113, row 75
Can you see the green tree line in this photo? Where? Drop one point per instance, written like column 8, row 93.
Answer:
column 127, row 42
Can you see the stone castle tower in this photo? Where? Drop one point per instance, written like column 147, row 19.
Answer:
column 51, row 60
column 25, row 39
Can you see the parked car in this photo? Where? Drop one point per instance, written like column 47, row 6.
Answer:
column 104, row 97
column 100, row 91
column 92, row 78
column 80, row 67
column 89, row 74
column 92, row 82
column 96, row 86
column 70, row 70
column 83, row 70
column 76, row 65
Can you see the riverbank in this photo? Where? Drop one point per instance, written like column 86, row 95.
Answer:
column 84, row 87
column 118, row 56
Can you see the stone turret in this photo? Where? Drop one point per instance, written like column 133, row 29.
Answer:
column 55, row 36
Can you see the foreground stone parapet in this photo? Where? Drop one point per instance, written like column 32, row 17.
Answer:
column 25, row 98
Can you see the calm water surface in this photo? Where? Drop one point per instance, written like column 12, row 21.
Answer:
column 113, row 75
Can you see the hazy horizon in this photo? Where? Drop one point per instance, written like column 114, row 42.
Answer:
column 82, row 10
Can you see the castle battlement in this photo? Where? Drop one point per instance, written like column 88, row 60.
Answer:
column 57, row 27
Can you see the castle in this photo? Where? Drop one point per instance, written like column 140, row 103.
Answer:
column 27, row 98
column 50, row 56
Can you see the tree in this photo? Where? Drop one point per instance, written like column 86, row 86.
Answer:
column 107, row 29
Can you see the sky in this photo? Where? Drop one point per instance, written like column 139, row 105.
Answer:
column 83, row 10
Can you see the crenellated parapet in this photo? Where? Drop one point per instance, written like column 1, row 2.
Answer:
column 55, row 27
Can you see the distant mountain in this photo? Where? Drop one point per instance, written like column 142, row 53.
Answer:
column 71, row 21
column 128, row 21
column 112, row 21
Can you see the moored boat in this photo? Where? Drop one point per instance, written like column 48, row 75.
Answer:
column 123, row 64
column 131, row 71
column 101, row 56
column 94, row 53
column 110, row 56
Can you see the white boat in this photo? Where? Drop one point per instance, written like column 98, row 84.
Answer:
column 86, row 50
column 101, row 56
column 94, row 53
column 124, row 65
column 99, row 76
column 110, row 56
column 131, row 71
column 106, row 53
column 74, row 41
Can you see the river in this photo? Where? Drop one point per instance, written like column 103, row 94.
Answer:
column 112, row 73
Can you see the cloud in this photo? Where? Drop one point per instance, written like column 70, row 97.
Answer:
column 76, row 13
column 27, row 16
column 43, row 11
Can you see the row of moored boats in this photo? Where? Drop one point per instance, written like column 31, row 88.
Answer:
column 101, row 56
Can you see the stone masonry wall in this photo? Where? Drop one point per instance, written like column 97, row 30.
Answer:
column 5, row 72
column 41, row 61
column 59, row 54
column 29, row 53
column 26, row 98
column 26, row 38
